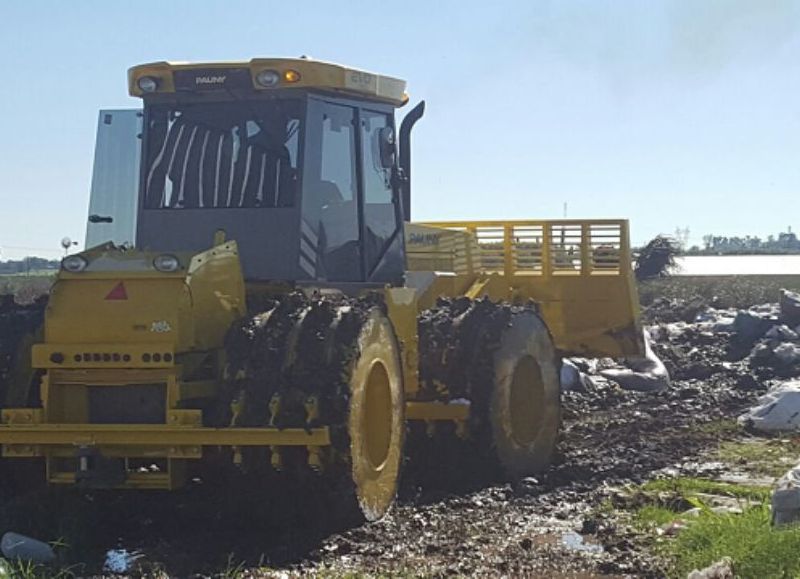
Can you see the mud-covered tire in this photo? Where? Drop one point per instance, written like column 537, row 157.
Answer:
column 337, row 354
column 524, row 409
column 376, row 417
column 500, row 357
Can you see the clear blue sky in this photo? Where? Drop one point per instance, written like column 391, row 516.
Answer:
column 671, row 113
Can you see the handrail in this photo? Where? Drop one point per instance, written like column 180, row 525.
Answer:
column 547, row 247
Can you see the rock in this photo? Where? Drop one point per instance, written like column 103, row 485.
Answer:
column 647, row 374
column 776, row 411
column 16, row 546
column 783, row 333
column 722, row 569
column 749, row 326
column 790, row 307
column 786, row 498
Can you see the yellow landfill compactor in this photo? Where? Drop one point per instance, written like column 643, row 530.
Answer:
column 254, row 290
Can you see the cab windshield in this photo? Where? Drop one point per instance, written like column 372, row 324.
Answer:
column 229, row 155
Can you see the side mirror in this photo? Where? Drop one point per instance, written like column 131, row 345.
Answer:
column 387, row 145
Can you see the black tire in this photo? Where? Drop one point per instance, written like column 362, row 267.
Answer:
column 525, row 406
column 501, row 358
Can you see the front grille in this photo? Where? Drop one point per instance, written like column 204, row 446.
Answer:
column 133, row 404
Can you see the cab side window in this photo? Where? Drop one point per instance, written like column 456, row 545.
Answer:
column 379, row 208
column 330, row 197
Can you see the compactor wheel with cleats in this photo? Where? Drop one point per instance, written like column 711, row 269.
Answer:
column 502, row 360
column 524, row 411
column 310, row 362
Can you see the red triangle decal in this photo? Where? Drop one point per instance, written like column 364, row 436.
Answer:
column 118, row 293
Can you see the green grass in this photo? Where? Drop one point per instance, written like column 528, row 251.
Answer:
column 723, row 428
column 762, row 456
column 756, row 549
column 691, row 487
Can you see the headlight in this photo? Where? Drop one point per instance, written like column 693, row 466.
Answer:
column 268, row 78
column 166, row 263
column 147, row 84
column 291, row 76
column 74, row 263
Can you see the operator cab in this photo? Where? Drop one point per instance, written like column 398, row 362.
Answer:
column 295, row 160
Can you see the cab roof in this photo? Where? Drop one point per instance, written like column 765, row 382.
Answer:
column 264, row 74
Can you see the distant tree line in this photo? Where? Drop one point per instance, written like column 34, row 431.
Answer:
column 27, row 264
column 784, row 243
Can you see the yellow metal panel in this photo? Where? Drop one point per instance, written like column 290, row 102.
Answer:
column 403, row 308
column 134, row 480
column 578, row 271
column 313, row 75
column 103, row 355
column 217, row 291
column 158, row 435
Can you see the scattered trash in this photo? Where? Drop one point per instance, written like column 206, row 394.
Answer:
column 576, row 542
column 120, row 560
column 647, row 374
column 749, row 325
column 786, row 498
column 776, row 411
column 722, row 569
column 790, row 308
column 16, row 546
column 783, row 333
column 572, row 378
column 673, row 528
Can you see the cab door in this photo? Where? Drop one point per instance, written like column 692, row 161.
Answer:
column 115, row 179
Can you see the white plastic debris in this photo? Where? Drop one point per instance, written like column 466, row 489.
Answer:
column 783, row 333
column 120, row 560
column 776, row 411
column 572, row 379
column 647, row 374
column 713, row 320
column 787, row 353
column 16, row 546
column 722, row 569
column 790, row 307
column 786, row 498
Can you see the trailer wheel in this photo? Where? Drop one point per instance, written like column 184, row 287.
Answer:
column 524, row 410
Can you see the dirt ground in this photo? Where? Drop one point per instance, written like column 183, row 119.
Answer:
column 447, row 522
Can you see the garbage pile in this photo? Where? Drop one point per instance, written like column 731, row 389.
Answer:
column 719, row 355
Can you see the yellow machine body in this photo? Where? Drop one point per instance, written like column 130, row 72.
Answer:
column 133, row 356
column 128, row 334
